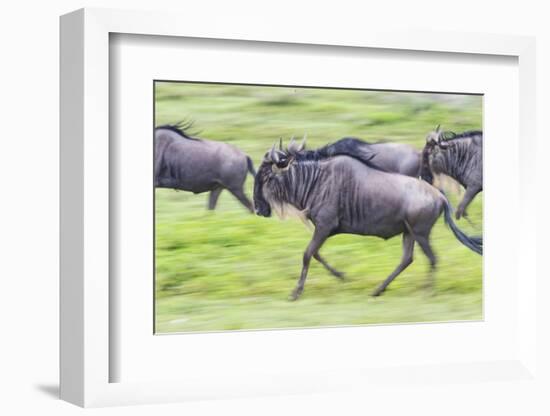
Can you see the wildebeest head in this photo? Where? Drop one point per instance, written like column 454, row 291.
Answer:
column 434, row 145
column 452, row 154
column 436, row 139
column 274, row 166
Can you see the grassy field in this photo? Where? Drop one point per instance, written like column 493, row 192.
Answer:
column 229, row 270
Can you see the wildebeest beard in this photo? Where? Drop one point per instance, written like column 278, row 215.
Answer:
column 286, row 191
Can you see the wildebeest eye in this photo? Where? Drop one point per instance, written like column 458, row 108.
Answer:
column 283, row 162
column 281, row 165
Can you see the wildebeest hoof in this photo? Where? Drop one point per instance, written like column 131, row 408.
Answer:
column 339, row 275
column 377, row 292
column 295, row 294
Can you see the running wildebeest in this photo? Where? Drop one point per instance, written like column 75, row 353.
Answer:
column 197, row 165
column 390, row 157
column 341, row 194
column 459, row 156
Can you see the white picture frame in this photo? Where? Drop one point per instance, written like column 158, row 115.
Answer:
column 85, row 212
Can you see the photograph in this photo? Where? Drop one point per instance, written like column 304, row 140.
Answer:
column 288, row 207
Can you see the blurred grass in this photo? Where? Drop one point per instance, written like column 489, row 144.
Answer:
column 231, row 270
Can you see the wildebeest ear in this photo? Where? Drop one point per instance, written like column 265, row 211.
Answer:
column 440, row 136
column 292, row 147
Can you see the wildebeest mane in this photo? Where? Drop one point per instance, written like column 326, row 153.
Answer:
column 451, row 135
column 341, row 148
column 181, row 128
column 362, row 141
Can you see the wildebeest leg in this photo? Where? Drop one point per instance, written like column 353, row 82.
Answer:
column 471, row 192
column 424, row 243
column 327, row 266
column 239, row 194
column 406, row 259
column 319, row 237
column 213, row 198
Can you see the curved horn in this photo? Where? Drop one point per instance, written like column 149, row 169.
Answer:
column 273, row 155
column 437, row 128
column 303, row 144
column 280, row 143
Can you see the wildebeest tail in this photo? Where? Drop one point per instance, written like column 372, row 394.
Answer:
column 473, row 243
column 250, row 166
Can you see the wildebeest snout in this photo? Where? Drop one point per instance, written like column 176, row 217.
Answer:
column 263, row 210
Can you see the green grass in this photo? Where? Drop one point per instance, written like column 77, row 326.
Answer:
column 229, row 270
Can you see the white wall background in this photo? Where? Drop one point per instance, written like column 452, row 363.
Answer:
column 29, row 203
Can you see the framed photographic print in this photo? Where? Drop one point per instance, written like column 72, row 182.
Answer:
column 208, row 253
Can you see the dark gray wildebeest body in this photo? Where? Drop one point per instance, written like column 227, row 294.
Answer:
column 341, row 194
column 390, row 157
column 459, row 156
column 197, row 165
